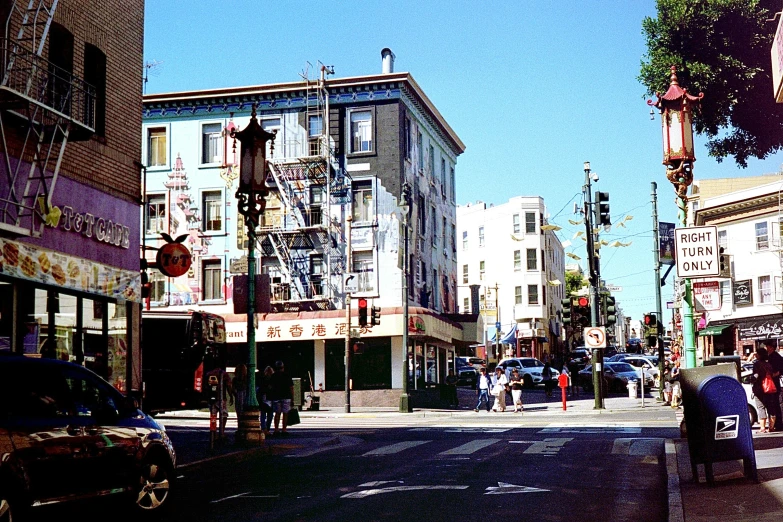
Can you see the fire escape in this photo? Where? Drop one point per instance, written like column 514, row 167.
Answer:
column 305, row 242
column 42, row 106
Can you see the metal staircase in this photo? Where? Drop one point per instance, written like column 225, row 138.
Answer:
column 42, row 106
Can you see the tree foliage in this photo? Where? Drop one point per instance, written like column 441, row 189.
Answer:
column 720, row 48
column 574, row 281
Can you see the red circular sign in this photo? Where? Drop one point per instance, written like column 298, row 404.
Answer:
column 362, row 302
column 173, row 259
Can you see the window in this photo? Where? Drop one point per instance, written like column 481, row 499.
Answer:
column 464, row 240
column 406, row 138
column 157, row 150
column 454, row 239
column 316, row 275
column 452, row 187
column 314, row 216
column 481, row 270
column 465, row 274
column 466, row 306
column 431, row 165
column 156, row 213
column 515, row 224
column 361, row 131
column 212, row 205
column 765, row 289
column 364, row 267
column 211, row 142
column 273, row 125
column 362, row 201
column 157, row 286
column 420, row 147
column 723, row 238
column 443, row 177
column 481, row 236
column 532, row 294
column 725, row 292
column 211, row 277
column 443, row 230
column 60, row 72
column 762, row 236
column 518, row 295
column 517, row 260
column 315, row 128
column 530, row 222
column 422, row 217
column 532, row 259
column 95, row 75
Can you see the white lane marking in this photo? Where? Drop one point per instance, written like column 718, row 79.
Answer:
column 371, row 492
column 464, row 430
column 504, row 488
column 246, row 494
column 592, row 429
column 470, row 447
column 548, row 446
column 395, row 448
column 637, row 446
column 378, row 483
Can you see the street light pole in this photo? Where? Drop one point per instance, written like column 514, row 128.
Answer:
column 405, row 208
column 657, row 266
column 251, row 204
column 595, row 281
column 349, row 265
column 676, row 108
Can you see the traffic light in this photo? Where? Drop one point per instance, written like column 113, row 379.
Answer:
column 375, row 316
column 651, row 324
column 146, row 287
column 610, row 310
column 566, row 304
column 358, row 347
column 725, row 264
column 602, row 208
column 581, row 306
column 362, row 311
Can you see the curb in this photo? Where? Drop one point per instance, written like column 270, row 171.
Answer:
column 676, row 512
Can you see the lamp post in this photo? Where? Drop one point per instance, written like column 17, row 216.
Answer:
column 251, row 204
column 405, row 208
column 676, row 107
column 594, row 272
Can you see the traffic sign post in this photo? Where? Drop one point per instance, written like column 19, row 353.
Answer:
column 698, row 254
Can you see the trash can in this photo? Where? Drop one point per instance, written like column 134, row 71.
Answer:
column 297, row 402
column 315, row 403
column 632, row 389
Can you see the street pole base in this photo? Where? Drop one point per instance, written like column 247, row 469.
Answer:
column 249, row 427
column 405, row 403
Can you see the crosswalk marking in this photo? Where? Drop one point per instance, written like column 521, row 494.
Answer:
column 395, row 448
column 470, row 447
column 548, row 446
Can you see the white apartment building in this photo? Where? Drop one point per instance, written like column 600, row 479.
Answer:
column 751, row 300
column 512, row 264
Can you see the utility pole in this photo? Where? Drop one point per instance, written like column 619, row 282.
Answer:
column 497, row 324
column 595, row 281
column 658, row 309
column 349, row 268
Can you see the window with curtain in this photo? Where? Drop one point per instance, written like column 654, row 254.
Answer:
column 762, row 236
column 212, row 205
column 211, row 150
column 156, row 213
column 765, row 289
column 532, row 294
column 361, row 131
column 157, row 150
column 518, row 295
column 211, row 279
column 273, row 125
column 364, row 267
column 362, row 201
column 532, row 259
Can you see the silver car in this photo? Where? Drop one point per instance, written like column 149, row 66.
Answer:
column 529, row 369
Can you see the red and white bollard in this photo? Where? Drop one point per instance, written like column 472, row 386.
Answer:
column 562, row 381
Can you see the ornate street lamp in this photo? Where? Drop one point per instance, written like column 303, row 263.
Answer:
column 251, row 204
column 405, row 209
column 676, row 108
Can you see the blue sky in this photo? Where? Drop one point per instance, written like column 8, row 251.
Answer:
column 534, row 88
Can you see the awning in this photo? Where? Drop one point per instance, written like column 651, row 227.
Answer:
column 713, row 330
column 511, row 336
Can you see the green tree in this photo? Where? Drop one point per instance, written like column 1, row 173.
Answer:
column 574, row 281
column 720, row 48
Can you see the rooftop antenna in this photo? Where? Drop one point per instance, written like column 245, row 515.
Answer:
column 150, row 67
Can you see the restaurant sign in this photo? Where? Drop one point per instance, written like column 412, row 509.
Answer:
column 761, row 329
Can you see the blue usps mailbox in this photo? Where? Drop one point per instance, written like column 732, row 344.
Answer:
column 725, row 427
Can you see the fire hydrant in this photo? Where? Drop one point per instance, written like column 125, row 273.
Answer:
column 562, row 381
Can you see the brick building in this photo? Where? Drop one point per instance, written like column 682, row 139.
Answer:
column 70, row 102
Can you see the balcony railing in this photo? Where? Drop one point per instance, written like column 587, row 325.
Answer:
column 48, row 85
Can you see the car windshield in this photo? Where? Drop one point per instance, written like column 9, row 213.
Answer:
column 531, row 363
column 622, row 367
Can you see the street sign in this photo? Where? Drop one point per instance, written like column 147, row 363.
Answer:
column 706, row 295
column 614, row 288
column 697, row 251
column 595, row 337
column 497, row 325
column 351, row 283
column 238, row 266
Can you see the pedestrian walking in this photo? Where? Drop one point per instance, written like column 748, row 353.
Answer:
column 667, row 383
column 239, row 383
column 499, row 383
column 451, row 387
column 765, row 394
column 573, row 372
column 776, row 361
column 264, row 402
column 516, row 390
column 546, row 377
column 483, row 384
column 281, row 391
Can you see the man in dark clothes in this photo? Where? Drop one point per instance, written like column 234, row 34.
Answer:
column 776, row 361
column 281, row 393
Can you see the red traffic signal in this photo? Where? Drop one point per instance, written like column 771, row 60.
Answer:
column 362, row 311
column 649, row 320
column 583, row 301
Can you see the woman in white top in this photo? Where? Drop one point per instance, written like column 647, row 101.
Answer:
column 499, row 382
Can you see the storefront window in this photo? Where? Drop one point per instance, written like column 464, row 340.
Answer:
column 117, row 350
column 6, row 316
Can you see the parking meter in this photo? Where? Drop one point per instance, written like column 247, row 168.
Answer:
column 562, row 381
column 213, row 394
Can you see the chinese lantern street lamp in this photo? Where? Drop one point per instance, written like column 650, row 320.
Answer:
column 676, row 108
column 251, row 204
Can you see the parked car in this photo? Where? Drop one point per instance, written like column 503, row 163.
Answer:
column 477, row 362
column 648, row 365
column 67, row 434
column 529, row 369
column 466, row 373
column 580, row 355
column 616, row 376
column 745, row 379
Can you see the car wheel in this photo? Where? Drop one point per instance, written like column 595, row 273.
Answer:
column 753, row 415
column 154, row 486
column 6, row 511
column 527, row 381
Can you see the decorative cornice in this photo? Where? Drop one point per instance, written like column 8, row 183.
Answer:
column 735, row 208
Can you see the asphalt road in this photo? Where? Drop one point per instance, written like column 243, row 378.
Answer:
column 439, row 473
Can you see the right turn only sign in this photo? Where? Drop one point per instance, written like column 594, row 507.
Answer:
column 697, row 252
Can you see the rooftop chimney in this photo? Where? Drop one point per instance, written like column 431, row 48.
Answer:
column 388, row 60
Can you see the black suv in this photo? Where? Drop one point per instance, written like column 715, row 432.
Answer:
column 66, row 434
